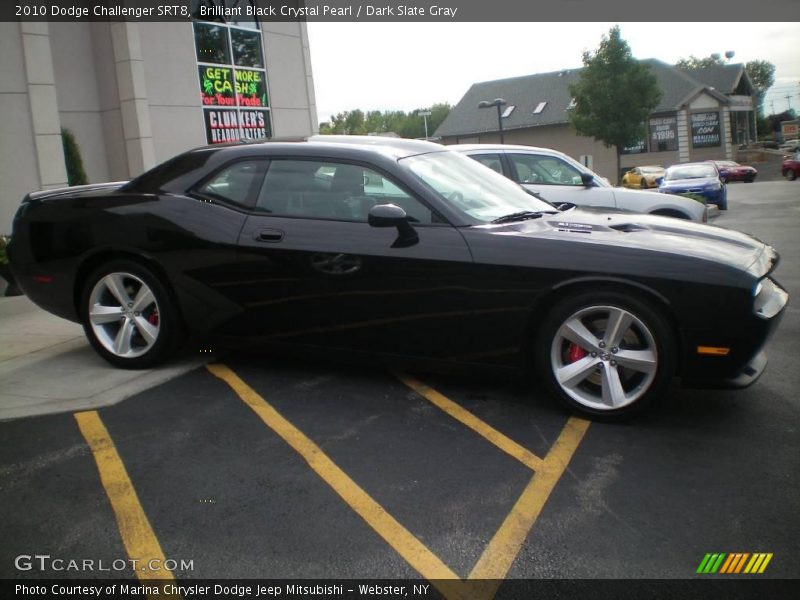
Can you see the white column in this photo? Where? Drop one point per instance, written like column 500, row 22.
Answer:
column 683, row 136
column 129, row 68
column 725, row 121
column 44, row 104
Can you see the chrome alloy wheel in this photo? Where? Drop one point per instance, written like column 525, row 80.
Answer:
column 604, row 357
column 124, row 315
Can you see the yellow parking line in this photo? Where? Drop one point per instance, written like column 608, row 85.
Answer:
column 398, row 537
column 459, row 413
column 496, row 560
column 137, row 535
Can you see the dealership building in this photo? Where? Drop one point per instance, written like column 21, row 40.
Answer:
column 136, row 93
column 703, row 114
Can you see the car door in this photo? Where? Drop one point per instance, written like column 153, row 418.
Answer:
column 316, row 273
column 555, row 180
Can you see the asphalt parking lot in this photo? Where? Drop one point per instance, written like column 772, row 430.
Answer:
column 258, row 466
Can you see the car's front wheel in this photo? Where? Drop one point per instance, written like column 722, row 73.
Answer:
column 791, row 175
column 128, row 315
column 606, row 355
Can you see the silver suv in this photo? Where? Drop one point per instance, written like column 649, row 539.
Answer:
column 556, row 177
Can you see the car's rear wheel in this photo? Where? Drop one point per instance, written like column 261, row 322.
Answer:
column 791, row 175
column 128, row 315
column 606, row 355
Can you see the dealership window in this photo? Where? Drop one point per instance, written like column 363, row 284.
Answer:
column 705, row 130
column 663, row 133
column 231, row 71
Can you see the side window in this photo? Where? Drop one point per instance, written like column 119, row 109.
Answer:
column 549, row 170
column 490, row 160
column 236, row 183
column 329, row 190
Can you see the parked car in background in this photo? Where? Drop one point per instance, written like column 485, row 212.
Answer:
column 790, row 146
column 399, row 249
column 790, row 168
column 643, row 177
column 556, row 177
column 701, row 179
column 733, row 171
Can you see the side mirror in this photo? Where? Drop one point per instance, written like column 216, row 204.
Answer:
column 391, row 215
column 587, row 179
column 563, row 206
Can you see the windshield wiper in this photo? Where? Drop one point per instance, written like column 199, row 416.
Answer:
column 518, row 216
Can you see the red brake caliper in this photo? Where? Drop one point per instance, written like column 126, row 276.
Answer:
column 153, row 318
column 575, row 352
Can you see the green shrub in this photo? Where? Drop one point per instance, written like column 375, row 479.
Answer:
column 698, row 197
column 72, row 158
column 3, row 243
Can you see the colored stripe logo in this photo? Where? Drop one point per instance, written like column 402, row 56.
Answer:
column 734, row 563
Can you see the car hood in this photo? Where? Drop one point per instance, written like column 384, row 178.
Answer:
column 689, row 183
column 653, row 234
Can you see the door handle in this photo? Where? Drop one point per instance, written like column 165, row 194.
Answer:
column 268, row 235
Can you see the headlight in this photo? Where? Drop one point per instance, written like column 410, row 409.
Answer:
column 770, row 298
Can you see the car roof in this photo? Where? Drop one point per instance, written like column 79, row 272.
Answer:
column 395, row 148
column 500, row 147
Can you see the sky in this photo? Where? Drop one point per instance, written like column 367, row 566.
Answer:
column 405, row 66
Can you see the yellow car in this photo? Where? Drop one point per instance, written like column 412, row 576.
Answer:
column 642, row 177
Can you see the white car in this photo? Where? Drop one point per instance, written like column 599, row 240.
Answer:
column 789, row 145
column 556, row 177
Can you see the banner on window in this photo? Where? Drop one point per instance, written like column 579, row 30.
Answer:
column 663, row 134
column 227, row 125
column 705, row 129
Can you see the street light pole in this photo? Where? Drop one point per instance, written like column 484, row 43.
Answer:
column 425, row 114
column 498, row 103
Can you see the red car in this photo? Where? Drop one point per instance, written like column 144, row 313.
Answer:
column 791, row 166
column 733, row 171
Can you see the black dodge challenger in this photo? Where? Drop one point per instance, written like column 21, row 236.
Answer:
column 399, row 249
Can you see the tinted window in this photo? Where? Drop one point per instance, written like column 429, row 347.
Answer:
column 235, row 183
column 327, row 190
column 211, row 43
column 490, row 160
column 532, row 168
column 247, row 48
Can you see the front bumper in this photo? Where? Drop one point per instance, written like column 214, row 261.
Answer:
column 747, row 377
column 745, row 359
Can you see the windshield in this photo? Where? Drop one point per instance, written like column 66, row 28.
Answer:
column 690, row 172
column 472, row 188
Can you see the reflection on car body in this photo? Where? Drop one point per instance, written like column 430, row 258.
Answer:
column 556, row 177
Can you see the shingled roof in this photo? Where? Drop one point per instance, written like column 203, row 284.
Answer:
column 526, row 93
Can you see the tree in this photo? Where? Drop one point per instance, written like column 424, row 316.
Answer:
column 762, row 75
column 614, row 95
column 407, row 125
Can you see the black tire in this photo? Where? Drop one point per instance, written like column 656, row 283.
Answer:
column 590, row 391
column 724, row 180
column 791, row 175
column 140, row 336
column 643, row 183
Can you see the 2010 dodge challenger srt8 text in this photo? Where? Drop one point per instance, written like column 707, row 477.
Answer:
column 399, row 249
